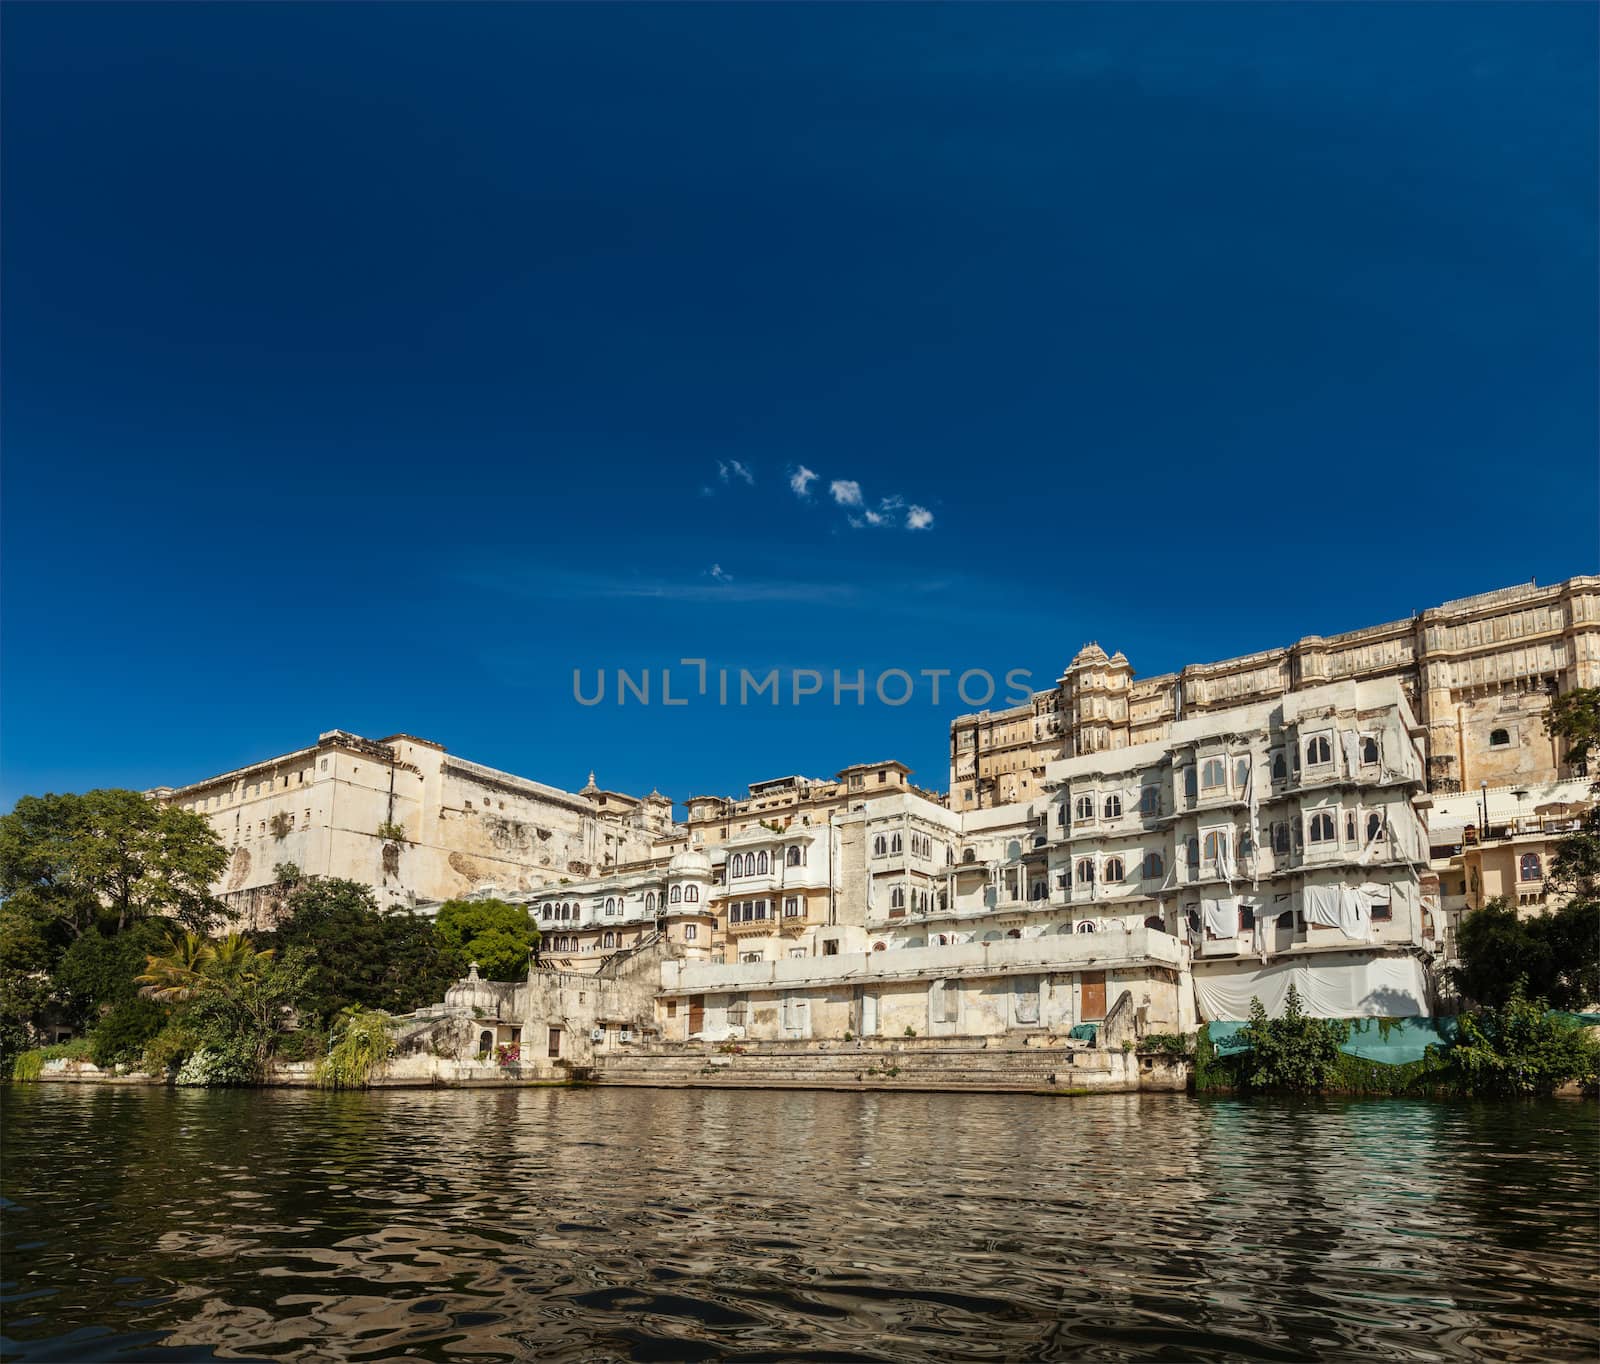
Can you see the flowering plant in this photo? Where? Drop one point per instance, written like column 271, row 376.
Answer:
column 508, row 1053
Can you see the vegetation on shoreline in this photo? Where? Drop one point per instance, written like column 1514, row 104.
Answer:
column 108, row 931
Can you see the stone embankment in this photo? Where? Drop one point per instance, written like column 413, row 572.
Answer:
column 938, row 1064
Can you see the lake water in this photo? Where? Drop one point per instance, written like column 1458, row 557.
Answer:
column 703, row 1225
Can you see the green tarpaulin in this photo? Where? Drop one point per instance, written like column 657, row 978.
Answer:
column 1394, row 1041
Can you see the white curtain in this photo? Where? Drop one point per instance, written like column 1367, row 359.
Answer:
column 1372, row 987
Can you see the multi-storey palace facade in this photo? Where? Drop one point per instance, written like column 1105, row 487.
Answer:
column 1478, row 672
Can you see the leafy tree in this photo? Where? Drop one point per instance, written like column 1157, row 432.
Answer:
column 1519, row 1050
column 1575, row 717
column 27, row 958
column 235, row 999
column 365, row 958
column 1555, row 954
column 363, row 1040
column 1293, row 1053
column 498, row 936
column 73, row 862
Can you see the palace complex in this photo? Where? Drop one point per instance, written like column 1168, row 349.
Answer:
column 1115, row 859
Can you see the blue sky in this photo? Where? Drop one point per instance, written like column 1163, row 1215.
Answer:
column 375, row 367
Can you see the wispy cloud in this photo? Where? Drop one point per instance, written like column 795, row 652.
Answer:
column 730, row 469
column 918, row 518
column 718, row 574
column 846, row 492
column 801, row 479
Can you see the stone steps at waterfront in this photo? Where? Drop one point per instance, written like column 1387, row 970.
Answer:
column 951, row 1067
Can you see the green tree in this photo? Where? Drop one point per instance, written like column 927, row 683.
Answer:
column 108, row 857
column 235, row 999
column 1556, row 954
column 1519, row 1050
column 1575, row 717
column 395, row 962
column 498, row 936
column 1293, row 1053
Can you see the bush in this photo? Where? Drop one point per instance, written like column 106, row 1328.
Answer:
column 1170, row 1044
column 168, row 1049
column 363, row 1042
column 30, row 1064
column 1294, row 1053
column 1519, row 1051
column 304, row 1044
column 211, row 1068
column 1556, row 955
column 121, row 1036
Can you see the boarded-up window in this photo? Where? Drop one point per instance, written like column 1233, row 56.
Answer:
column 1093, row 1001
column 1025, row 997
column 672, row 1008
column 944, row 1001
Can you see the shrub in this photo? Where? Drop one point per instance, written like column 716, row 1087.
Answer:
column 1164, row 1044
column 212, row 1068
column 1519, row 1051
column 304, row 1044
column 363, row 1041
column 30, row 1064
column 122, row 1034
column 1293, row 1053
column 168, row 1049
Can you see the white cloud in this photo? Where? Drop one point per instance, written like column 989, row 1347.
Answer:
column 801, row 480
column 918, row 518
column 846, row 492
column 730, row 469
column 718, row 574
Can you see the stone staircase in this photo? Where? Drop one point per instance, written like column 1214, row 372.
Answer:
column 974, row 1065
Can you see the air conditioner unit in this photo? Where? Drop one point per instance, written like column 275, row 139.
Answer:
column 626, row 1035
column 597, row 1034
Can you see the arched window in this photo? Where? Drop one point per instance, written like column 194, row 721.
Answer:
column 692, row 894
column 944, row 900
column 676, row 894
column 1113, row 869
column 1247, row 844
column 880, row 846
column 649, row 901
column 1216, row 845
column 485, row 1042
column 1085, row 871
column 1318, row 750
column 1349, row 826
column 1083, row 808
column 1153, row 868
column 1013, row 932
column 1113, row 807
column 1320, row 828
column 1369, row 750
column 610, row 939
column 1154, row 921
column 546, row 912
column 895, row 844
column 897, row 898
column 761, row 864
column 1214, row 774
column 879, row 947
column 1374, row 827
column 1531, row 868
column 566, row 912
column 1087, row 926
column 1192, row 851
column 1280, row 838
column 611, row 905
column 1280, row 769
column 969, row 855
column 796, row 855
column 1499, row 738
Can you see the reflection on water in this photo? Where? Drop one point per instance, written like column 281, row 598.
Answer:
column 667, row 1225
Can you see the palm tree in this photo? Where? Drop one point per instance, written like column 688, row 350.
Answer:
column 178, row 971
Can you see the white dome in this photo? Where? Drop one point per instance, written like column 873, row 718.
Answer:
column 692, row 862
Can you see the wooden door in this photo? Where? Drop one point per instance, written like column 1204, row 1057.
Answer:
column 555, row 1041
column 1094, row 995
column 697, row 1014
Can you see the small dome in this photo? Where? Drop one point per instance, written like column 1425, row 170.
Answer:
column 1090, row 653
column 690, row 862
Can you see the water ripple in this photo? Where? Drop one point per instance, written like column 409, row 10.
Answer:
column 645, row 1225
